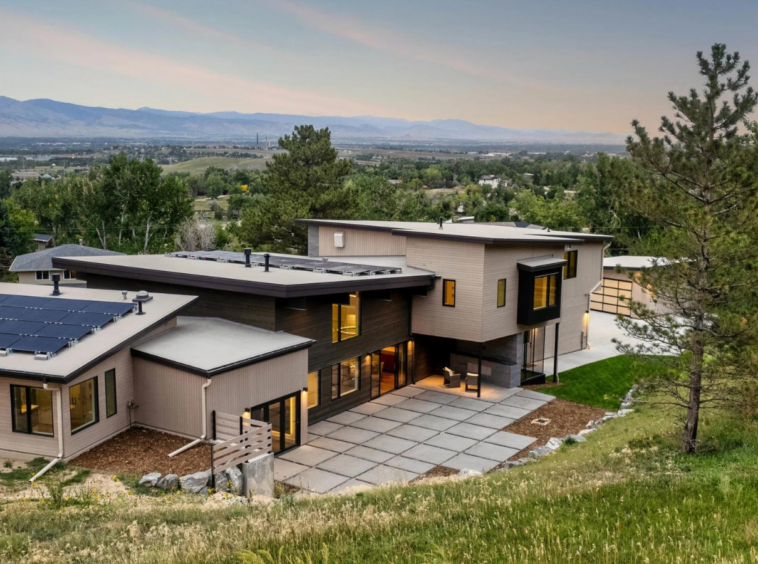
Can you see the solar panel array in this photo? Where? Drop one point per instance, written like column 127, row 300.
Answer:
column 292, row 263
column 47, row 325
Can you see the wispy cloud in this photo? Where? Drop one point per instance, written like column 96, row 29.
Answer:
column 70, row 46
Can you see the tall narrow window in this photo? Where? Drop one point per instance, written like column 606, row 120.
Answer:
column 32, row 410
column 314, row 385
column 501, row 293
column 544, row 291
column 569, row 269
column 448, row 293
column 346, row 377
column 346, row 319
column 111, row 407
column 83, row 404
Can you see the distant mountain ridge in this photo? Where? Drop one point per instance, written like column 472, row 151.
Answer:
column 52, row 119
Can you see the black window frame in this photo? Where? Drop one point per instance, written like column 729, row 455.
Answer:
column 569, row 270
column 29, row 410
column 505, row 288
column 318, row 389
column 340, row 395
column 526, row 314
column 265, row 411
column 42, row 275
column 97, row 405
column 115, row 393
column 444, row 292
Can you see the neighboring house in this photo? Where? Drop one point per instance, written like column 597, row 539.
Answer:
column 489, row 180
column 37, row 267
column 621, row 280
column 386, row 303
column 43, row 241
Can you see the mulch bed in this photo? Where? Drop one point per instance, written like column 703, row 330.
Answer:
column 138, row 451
column 440, row 472
column 566, row 418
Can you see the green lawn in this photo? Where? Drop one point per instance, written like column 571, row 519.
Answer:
column 197, row 166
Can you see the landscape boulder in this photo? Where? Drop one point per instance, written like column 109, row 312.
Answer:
column 539, row 452
column 220, row 482
column 554, row 443
column 150, row 480
column 234, row 480
column 197, row 482
column 578, row 438
column 169, row 482
column 467, row 472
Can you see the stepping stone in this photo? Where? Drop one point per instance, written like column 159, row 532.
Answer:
column 316, row 480
column 507, row 411
column 284, row 470
column 395, row 414
column 348, row 465
column 419, row 405
column 408, row 392
column 353, row 435
column 432, row 422
column 485, row 450
column 492, row 421
column 386, row 474
column 389, row 400
column 368, row 408
column 523, row 403
column 376, row 424
column 430, row 454
column 357, row 484
column 323, row 428
column 371, row 454
column 410, row 465
column 437, row 397
column 346, row 418
column 472, row 404
column 510, row 440
column 470, row 431
column 308, row 455
column 412, row 433
column 449, row 412
column 535, row 395
column 390, row 444
column 331, row 444
column 471, row 462
column 451, row 442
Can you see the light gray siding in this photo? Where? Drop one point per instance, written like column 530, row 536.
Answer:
column 359, row 242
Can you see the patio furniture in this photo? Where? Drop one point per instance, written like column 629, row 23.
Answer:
column 472, row 381
column 452, row 379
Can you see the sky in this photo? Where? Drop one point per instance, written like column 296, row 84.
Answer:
column 588, row 65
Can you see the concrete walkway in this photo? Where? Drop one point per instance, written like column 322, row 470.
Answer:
column 406, row 433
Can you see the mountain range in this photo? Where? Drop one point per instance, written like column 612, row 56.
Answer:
column 45, row 118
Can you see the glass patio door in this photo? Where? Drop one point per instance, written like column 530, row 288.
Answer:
column 284, row 416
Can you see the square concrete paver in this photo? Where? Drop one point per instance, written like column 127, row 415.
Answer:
column 510, row 440
column 284, row 469
column 323, row 428
column 348, row 465
column 376, row 424
column 396, row 414
column 316, row 480
column 308, row 455
column 470, row 431
column 492, row 421
column 523, row 403
column 412, row 433
column 507, row 411
column 433, row 422
column 531, row 394
column 353, row 435
column 485, row 450
column 472, row 404
column 430, row 454
column 331, row 444
column 389, row 400
column 451, row 442
column 450, row 412
column 471, row 462
column 409, row 464
column 437, row 397
column 386, row 474
column 390, row 444
column 421, row 406
column 356, row 485
column 408, row 392
column 372, row 454
column 346, row 418
column 368, row 408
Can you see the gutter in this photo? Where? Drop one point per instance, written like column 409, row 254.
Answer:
column 58, row 458
column 205, row 426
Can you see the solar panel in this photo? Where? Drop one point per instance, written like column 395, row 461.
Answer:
column 41, row 315
column 86, row 319
column 111, row 308
column 58, row 331
column 25, row 301
column 4, row 297
column 39, row 345
column 20, row 327
column 64, row 304
column 7, row 341
column 11, row 312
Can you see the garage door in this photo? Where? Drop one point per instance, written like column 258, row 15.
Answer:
column 606, row 297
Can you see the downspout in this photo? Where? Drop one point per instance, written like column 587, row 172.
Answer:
column 205, row 426
column 58, row 458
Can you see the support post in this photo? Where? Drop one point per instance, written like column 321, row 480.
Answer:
column 555, row 354
column 479, row 378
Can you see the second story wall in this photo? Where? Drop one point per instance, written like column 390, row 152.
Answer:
column 357, row 242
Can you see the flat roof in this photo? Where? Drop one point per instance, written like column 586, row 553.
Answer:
column 209, row 345
column 72, row 361
column 487, row 233
column 632, row 262
column 235, row 277
column 540, row 263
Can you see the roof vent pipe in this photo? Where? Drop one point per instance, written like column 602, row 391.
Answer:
column 56, row 282
column 247, row 258
column 442, row 219
column 266, row 257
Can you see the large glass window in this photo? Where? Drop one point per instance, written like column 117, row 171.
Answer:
column 32, row 410
column 569, row 269
column 544, row 291
column 284, row 416
column 314, row 384
column 501, row 293
column 448, row 293
column 42, row 275
column 110, row 393
column 346, row 377
column 346, row 319
column 83, row 404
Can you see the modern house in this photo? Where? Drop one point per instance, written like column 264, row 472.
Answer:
column 37, row 267
column 381, row 305
column 621, row 285
column 490, row 180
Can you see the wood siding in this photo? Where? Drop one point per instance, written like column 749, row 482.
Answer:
column 359, row 242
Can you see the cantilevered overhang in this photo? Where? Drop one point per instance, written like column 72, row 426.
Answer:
column 540, row 264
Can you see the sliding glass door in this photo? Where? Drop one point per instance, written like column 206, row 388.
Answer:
column 390, row 368
column 284, row 416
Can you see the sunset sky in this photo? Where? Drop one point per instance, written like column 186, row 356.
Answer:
column 587, row 65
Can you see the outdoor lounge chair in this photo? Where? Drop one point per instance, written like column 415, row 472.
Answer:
column 472, row 381
column 452, row 379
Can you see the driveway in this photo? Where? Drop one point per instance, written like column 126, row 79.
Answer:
column 406, row 433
